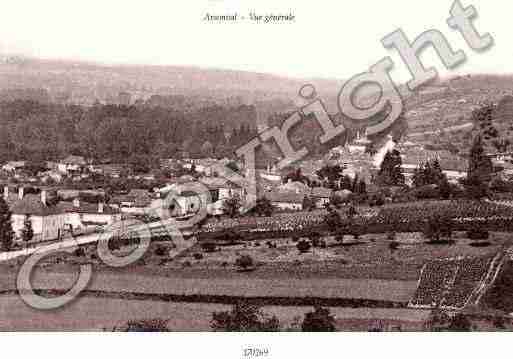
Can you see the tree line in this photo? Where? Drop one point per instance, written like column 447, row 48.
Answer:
column 48, row 131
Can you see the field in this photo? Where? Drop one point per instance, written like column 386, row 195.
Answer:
column 91, row 313
column 366, row 281
column 400, row 217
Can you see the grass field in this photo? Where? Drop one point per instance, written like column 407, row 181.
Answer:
column 363, row 269
column 100, row 313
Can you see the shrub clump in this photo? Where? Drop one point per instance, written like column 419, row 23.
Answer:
column 476, row 233
column 320, row 320
column 245, row 262
column 160, row 251
column 244, row 317
column 303, row 246
column 208, row 247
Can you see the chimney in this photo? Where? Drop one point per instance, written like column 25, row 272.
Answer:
column 100, row 207
column 76, row 202
column 43, row 197
column 6, row 192
column 20, row 193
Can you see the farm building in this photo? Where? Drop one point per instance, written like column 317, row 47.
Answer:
column 286, row 200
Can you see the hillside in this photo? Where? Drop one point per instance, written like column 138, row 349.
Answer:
column 84, row 83
column 438, row 115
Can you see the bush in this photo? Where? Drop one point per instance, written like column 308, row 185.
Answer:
column 303, row 246
column 79, row 252
column 460, row 323
column 320, row 320
column 377, row 199
column 114, row 243
column 160, row 251
column 244, row 317
column 245, row 262
column 426, row 192
column 393, row 246
column 476, row 233
column 315, row 238
column 230, row 237
column 438, row 227
column 197, row 256
column 208, row 247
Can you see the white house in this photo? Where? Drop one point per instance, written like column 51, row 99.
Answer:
column 286, row 200
column 71, row 164
column 321, row 196
column 48, row 222
column 137, row 201
column 13, row 166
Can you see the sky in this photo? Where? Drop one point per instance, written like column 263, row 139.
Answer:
column 329, row 39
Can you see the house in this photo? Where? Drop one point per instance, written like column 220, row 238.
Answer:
column 50, row 175
column 271, row 174
column 72, row 164
column 109, row 170
column 48, row 222
column 286, row 200
column 81, row 214
column 294, row 186
column 137, row 201
column 13, row 166
column 321, row 196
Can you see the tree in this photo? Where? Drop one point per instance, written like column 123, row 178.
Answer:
column 231, row 206
column 333, row 220
column 245, row 262
column 361, row 188
column 479, row 171
column 479, row 165
column 303, row 246
column 140, row 164
column 27, row 233
column 438, row 227
column 244, row 317
column 438, row 320
column 335, row 224
column 296, row 176
column 320, row 320
column 460, row 323
column 332, row 175
column 335, row 201
column 308, row 203
column 263, row 207
column 445, row 188
column 390, row 172
column 428, row 173
column 6, row 232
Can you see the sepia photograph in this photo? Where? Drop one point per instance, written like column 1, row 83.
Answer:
column 244, row 166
